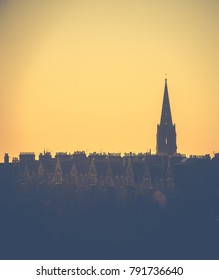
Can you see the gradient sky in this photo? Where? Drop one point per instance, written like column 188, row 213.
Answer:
column 89, row 74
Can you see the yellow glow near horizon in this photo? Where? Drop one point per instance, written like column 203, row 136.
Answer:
column 89, row 75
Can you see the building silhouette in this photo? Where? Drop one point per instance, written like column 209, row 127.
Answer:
column 166, row 132
column 144, row 171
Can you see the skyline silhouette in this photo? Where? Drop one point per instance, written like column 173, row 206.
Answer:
column 166, row 143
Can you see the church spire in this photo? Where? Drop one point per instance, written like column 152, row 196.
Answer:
column 166, row 118
column 166, row 134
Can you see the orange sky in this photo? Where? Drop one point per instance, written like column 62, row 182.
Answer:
column 89, row 75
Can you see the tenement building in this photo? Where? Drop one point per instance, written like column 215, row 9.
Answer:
column 79, row 170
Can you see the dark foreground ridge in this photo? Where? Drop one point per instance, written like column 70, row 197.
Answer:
column 100, row 219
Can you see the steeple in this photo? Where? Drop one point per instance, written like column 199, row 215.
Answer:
column 166, row 134
column 166, row 118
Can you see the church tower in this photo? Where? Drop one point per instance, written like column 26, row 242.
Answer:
column 166, row 133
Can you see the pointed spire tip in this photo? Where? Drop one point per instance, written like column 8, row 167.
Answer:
column 165, row 78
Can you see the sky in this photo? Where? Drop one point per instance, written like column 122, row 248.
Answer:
column 89, row 74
